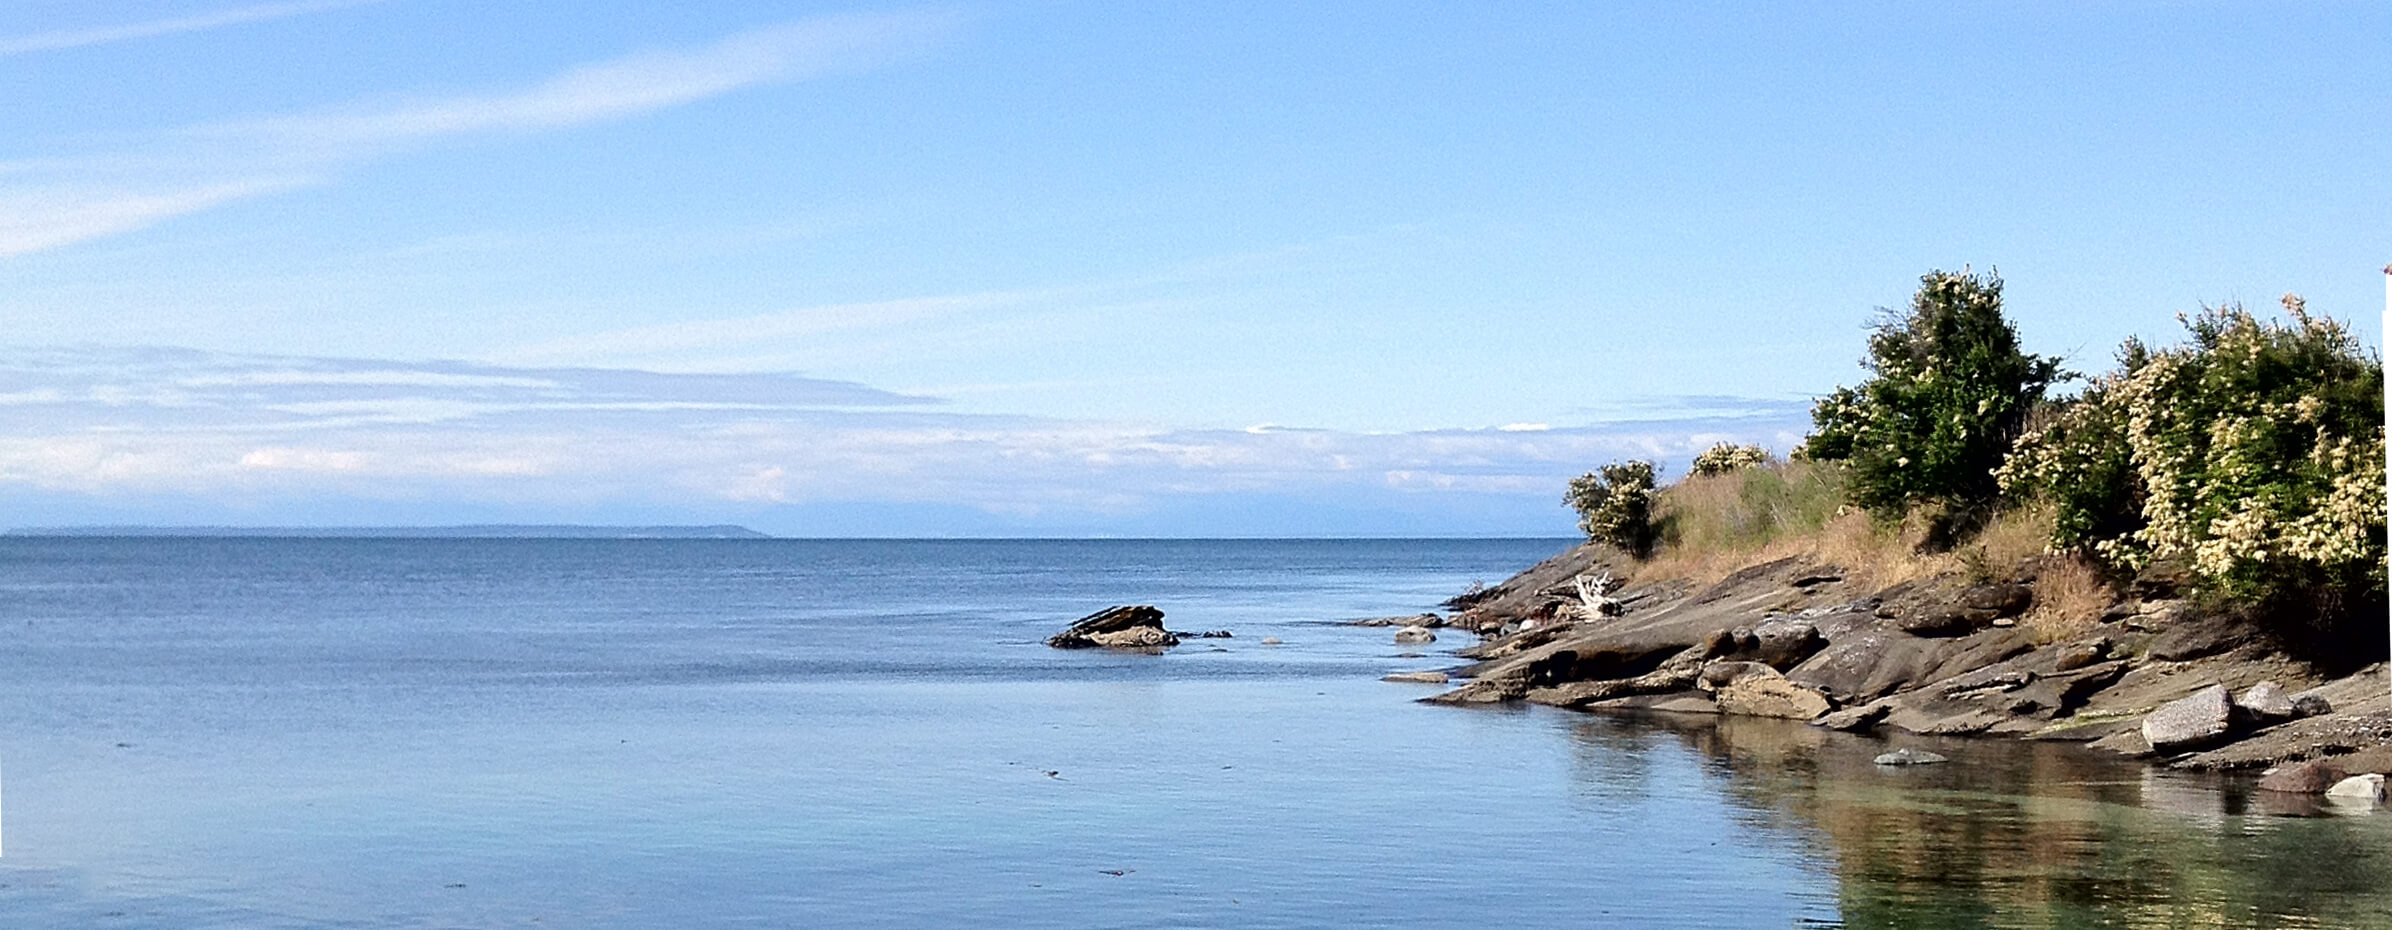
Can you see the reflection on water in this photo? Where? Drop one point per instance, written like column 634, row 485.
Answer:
column 2025, row 835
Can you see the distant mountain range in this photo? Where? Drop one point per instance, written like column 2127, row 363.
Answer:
column 475, row 531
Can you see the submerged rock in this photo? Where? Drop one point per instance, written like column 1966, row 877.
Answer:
column 1908, row 756
column 1416, row 678
column 1131, row 627
column 2190, row 722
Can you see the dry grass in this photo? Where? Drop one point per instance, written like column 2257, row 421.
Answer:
column 2069, row 599
column 1712, row 526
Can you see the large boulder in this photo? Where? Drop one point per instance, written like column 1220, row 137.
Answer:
column 2190, row 722
column 1131, row 627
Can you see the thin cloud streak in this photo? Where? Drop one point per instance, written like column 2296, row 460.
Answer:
column 107, row 35
column 50, row 203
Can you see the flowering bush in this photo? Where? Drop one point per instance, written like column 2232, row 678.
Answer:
column 1948, row 391
column 1615, row 505
column 1726, row 457
column 2255, row 452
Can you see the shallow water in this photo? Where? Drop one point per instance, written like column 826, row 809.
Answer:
column 717, row 733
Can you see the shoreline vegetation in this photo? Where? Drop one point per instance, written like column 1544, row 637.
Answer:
column 2184, row 561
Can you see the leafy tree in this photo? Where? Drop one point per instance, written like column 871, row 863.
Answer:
column 1949, row 389
column 2255, row 452
column 1615, row 505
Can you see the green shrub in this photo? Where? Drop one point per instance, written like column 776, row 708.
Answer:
column 2256, row 454
column 1726, row 457
column 1948, row 391
column 1615, row 505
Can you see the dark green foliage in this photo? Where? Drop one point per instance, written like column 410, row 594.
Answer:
column 1615, row 505
column 1949, row 389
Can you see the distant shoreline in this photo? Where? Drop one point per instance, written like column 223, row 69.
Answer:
column 470, row 531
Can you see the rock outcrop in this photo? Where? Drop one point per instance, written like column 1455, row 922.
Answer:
column 2150, row 675
column 1131, row 627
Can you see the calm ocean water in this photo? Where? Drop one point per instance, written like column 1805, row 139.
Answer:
column 716, row 733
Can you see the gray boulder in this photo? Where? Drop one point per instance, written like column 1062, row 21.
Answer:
column 2266, row 703
column 2190, row 722
column 1131, row 627
column 1415, row 634
column 1907, row 756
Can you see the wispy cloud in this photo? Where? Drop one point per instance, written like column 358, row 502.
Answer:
column 105, row 35
column 46, row 203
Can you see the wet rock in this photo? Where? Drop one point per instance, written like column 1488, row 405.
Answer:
column 1427, row 620
column 1416, row 678
column 2364, row 787
column 1415, row 634
column 1908, row 756
column 2190, row 722
column 2311, row 777
column 2128, row 742
column 1131, row 627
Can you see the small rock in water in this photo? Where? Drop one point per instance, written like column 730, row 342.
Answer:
column 2361, row 787
column 2311, row 777
column 1415, row 634
column 1417, row 678
column 1908, row 756
column 1271, row 641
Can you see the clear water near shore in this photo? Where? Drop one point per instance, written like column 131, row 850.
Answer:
column 489, row 733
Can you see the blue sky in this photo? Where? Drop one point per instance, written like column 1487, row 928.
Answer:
column 1088, row 268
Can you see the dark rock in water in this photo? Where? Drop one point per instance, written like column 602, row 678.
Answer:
column 1427, row 620
column 2202, row 718
column 2311, row 777
column 1135, row 627
column 1208, row 634
column 1415, row 634
column 1908, row 756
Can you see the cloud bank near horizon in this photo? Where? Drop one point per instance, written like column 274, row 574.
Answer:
column 177, row 436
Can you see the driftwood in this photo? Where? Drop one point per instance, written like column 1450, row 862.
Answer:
column 1594, row 601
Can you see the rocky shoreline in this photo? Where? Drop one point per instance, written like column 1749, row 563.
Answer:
column 2157, row 678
